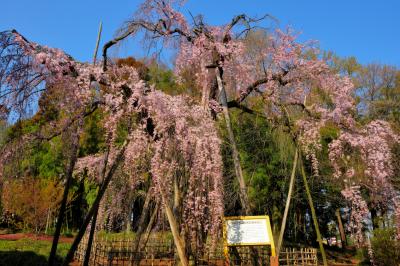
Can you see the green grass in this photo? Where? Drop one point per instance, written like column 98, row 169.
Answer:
column 27, row 252
column 116, row 236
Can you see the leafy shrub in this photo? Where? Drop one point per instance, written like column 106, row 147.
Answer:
column 386, row 248
column 10, row 221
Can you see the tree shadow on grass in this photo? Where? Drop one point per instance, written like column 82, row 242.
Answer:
column 24, row 258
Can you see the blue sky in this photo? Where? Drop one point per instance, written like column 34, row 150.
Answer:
column 367, row 29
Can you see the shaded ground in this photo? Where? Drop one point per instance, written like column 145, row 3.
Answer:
column 339, row 257
column 23, row 258
column 28, row 251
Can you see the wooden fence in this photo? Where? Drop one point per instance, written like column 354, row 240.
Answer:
column 115, row 251
column 161, row 251
column 303, row 256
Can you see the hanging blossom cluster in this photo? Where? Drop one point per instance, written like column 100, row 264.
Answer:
column 189, row 148
column 339, row 113
column 29, row 68
column 373, row 143
column 183, row 144
column 174, row 135
column 358, row 213
column 293, row 81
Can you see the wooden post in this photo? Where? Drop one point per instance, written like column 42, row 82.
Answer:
column 179, row 242
column 94, row 218
column 97, row 43
column 314, row 216
column 291, row 185
column 341, row 229
column 274, row 261
column 287, row 256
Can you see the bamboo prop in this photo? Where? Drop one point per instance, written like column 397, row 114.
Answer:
column 341, row 229
column 179, row 242
column 291, row 186
column 97, row 42
column 94, row 218
column 314, row 215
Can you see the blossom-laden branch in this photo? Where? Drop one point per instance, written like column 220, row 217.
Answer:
column 373, row 144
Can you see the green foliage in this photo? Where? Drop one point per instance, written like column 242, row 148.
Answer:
column 37, row 159
column 163, row 78
column 92, row 140
column 386, row 248
column 266, row 157
column 90, row 192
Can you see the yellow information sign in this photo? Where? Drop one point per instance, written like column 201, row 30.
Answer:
column 248, row 231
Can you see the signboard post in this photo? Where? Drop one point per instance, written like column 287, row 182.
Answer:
column 248, row 231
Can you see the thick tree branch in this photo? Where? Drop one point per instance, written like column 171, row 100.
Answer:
column 159, row 28
column 276, row 77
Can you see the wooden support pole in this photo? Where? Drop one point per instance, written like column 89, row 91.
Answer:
column 285, row 214
column 179, row 242
column 274, row 261
column 314, row 215
column 97, row 42
column 94, row 218
column 341, row 229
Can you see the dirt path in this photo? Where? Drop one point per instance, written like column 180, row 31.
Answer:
column 34, row 237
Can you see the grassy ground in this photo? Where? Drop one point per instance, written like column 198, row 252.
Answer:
column 26, row 252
